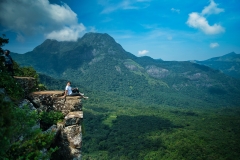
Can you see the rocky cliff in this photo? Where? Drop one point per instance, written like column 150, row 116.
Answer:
column 68, row 132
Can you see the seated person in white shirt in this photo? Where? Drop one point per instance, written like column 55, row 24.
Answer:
column 69, row 91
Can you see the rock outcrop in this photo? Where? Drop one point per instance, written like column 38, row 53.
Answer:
column 27, row 83
column 69, row 137
column 52, row 101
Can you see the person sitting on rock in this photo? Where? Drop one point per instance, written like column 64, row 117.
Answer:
column 69, row 91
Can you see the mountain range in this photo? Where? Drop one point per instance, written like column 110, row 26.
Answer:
column 99, row 64
column 228, row 64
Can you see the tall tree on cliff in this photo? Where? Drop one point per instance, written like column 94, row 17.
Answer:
column 3, row 41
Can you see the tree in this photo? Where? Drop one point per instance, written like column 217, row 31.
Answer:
column 3, row 41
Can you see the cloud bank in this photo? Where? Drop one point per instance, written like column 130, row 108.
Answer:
column 143, row 52
column 198, row 21
column 27, row 17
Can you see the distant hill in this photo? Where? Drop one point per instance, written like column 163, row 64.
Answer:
column 98, row 63
column 228, row 64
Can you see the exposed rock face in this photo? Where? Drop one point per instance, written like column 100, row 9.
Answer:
column 157, row 72
column 51, row 100
column 69, row 139
column 133, row 66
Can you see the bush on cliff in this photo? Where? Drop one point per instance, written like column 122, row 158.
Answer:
column 50, row 118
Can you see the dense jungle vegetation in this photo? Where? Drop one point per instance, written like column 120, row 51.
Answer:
column 120, row 128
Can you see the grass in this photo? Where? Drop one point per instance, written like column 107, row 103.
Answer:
column 109, row 120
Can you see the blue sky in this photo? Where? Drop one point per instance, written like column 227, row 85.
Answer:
column 167, row 29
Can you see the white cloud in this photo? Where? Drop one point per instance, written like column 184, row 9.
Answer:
column 214, row 45
column 143, row 52
column 198, row 21
column 175, row 10
column 123, row 5
column 195, row 20
column 67, row 33
column 40, row 17
column 212, row 9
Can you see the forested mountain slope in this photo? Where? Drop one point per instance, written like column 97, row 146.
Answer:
column 98, row 63
column 228, row 64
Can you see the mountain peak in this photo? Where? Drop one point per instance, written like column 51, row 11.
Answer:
column 96, row 34
column 53, row 46
column 230, row 57
column 230, row 54
column 104, row 43
column 47, row 45
column 100, row 40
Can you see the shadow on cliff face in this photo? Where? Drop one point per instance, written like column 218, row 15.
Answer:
column 128, row 136
column 63, row 152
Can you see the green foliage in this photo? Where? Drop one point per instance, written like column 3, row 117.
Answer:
column 109, row 121
column 9, row 84
column 18, row 135
column 29, row 72
column 25, row 71
column 52, row 83
column 51, row 117
column 6, row 124
column 32, row 148
column 41, row 87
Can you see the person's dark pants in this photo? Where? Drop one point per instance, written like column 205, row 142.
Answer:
column 75, row 90
column 74, row 94
column 10, row 69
